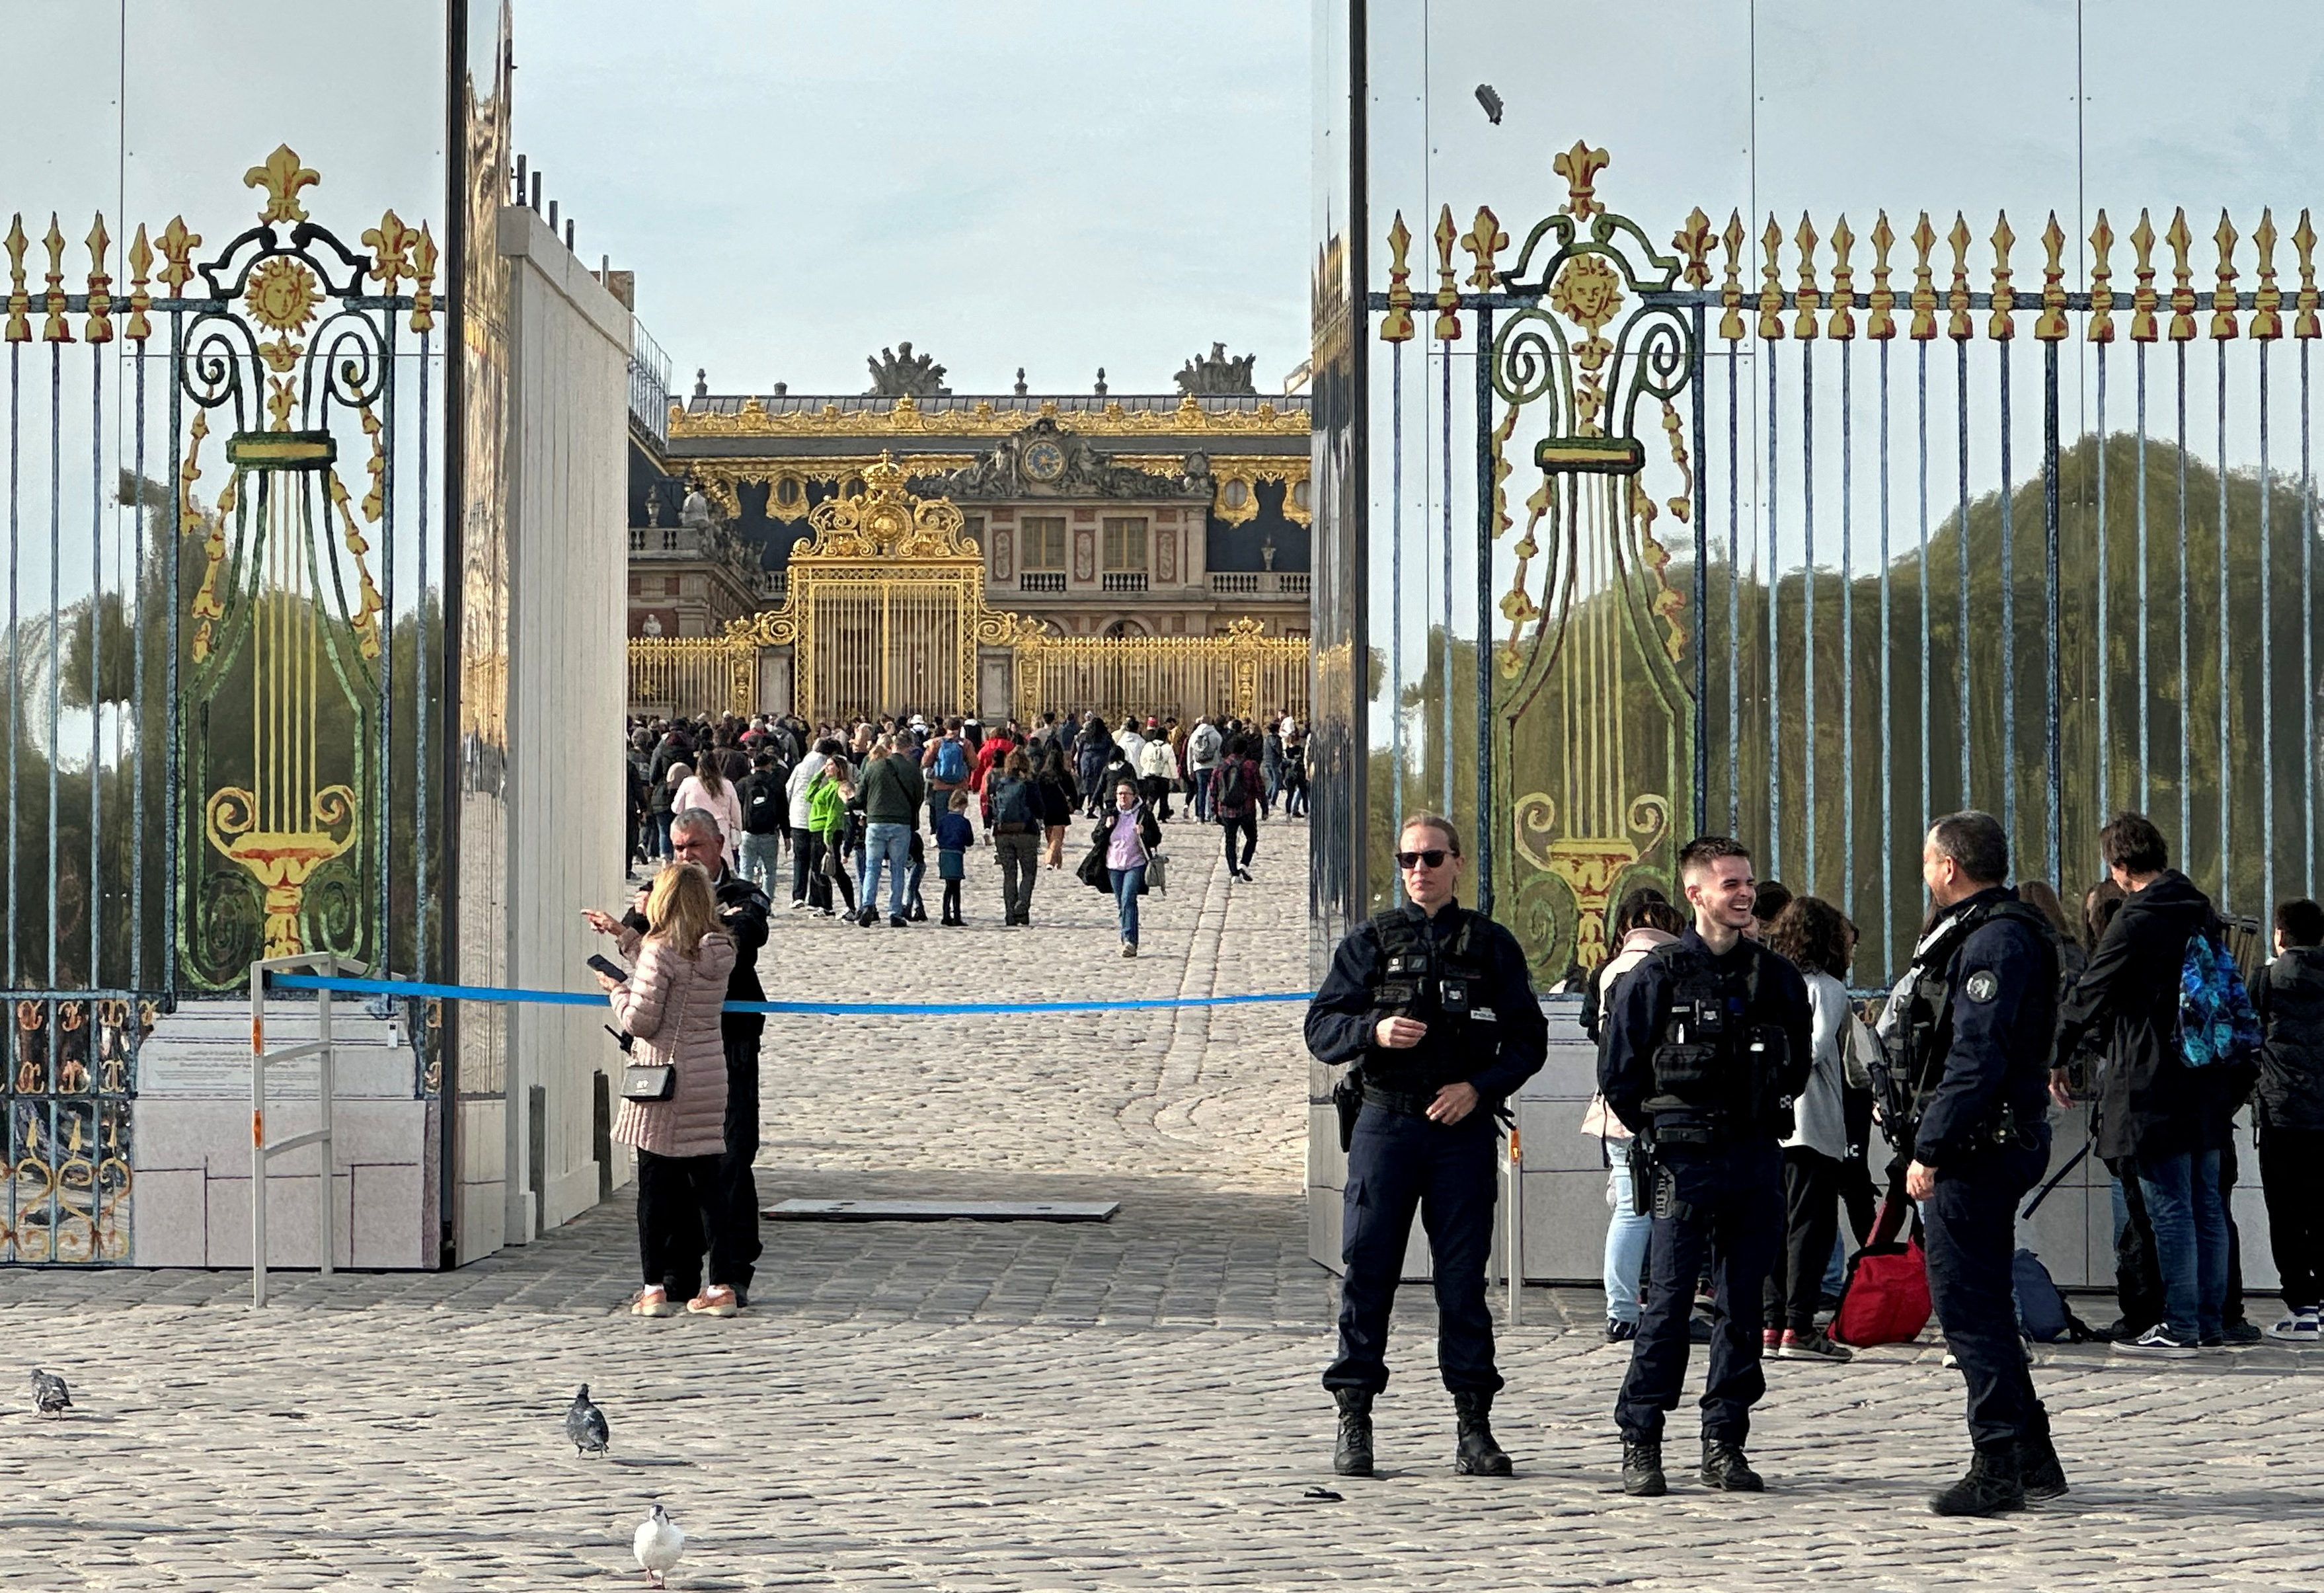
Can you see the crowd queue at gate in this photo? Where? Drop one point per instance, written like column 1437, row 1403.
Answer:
column 1742, row 1095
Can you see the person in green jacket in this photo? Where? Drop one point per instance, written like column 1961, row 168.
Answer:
column 826, row 817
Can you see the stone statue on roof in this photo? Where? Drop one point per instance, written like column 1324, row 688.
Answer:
column 1217, row 374
column 899, row 372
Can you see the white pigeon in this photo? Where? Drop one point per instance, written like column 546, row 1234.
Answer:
column 658, row 1543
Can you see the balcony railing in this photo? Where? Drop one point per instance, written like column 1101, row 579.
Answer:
column 648, row 383
column 1123, row 581
column 1259, row 582
column 1041, row 580
column 1235, row 583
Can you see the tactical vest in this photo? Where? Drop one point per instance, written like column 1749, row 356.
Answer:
column 1442, row 983
column 1713, row 1066
column 1919, row 1019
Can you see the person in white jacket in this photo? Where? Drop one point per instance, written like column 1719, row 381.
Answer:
column 1157, row 770
column 1818, row 938
column 1644, row 919
column 807, row 850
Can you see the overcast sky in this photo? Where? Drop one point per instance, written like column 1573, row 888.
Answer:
column 1056, row 184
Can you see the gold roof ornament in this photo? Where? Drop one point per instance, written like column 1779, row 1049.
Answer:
column 282, row 177
column 886, row 522
column 1580, row 166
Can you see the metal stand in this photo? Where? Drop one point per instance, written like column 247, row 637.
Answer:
column 259, row 1150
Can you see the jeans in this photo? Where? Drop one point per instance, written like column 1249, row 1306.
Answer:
column 2190, row 1239
column 1399, row 1161
column 1126, row 883
column 2291, row 1178
column 1019, row 857
column 892, row 845
column 658, row 843
column 1625, row 1241
column 762, row 856
column 1970, row 1224
column 806, row 856
column 1202, row 801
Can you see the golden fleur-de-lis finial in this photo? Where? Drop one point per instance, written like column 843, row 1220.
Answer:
column 391, row 245
column 178, row 246
column 2050, row 326
column 2142, row 297
column 282, row 177
column 2101, row 282
column 1693, row 241
column 18, row 329
column 2223, row 295
column 1881, row 323
column 2182, row 279
column 2303, row 241
column 1730, row 292
column 1804, row 326
column 136, row 329
column 2002, row 327
column 1771, row 283
column 423, row 276
column 2267, row 300
column 1448, row 294
column 1483, row 241
column 98, row 327
column 1580, row 166
column 1842, row 321
column 1957, row 326
column 1396, row 326
column 1924, row 290
column 56, row 329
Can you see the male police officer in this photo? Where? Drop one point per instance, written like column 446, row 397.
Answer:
column 1434, row 1002
column 1706, row 1044
column 1975, row 1015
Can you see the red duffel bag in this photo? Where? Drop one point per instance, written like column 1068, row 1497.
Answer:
column 1885, row 1299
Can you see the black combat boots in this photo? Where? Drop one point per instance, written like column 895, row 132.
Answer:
column 1993, row 1484
column 1479, row 1455
column 1352, row 1456
column 2038, row 1469
column 1725, row 1468
column 1642, row 1468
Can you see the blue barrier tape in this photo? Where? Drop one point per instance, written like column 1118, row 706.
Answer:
column 466, row 992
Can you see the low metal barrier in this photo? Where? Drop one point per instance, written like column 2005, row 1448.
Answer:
column 261, row 1151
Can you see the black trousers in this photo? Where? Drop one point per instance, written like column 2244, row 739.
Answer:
column 1155, row 789
column 1399, row 1161
column 681, row 1199
column 1969, row 1234
column 1794, row 1285
column 2291, row 1177
column 806, row 852
column 740, row 1185
column 1725, row 1202
column 1247, row 827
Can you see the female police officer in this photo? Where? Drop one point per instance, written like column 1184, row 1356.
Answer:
column 1434, row 1002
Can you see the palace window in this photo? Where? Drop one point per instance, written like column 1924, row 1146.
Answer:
column 1125, row 542
column 1041, row 542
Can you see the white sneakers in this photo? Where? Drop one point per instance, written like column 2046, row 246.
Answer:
column 2303, row 1325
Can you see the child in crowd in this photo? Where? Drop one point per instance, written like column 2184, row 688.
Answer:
column 955, row 836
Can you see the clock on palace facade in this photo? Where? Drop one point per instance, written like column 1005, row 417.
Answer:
column 1045, row 461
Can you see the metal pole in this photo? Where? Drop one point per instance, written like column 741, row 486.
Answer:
column 1486, row 528
column 257, row 1136
column 1513, row 1257
column 323, row 1086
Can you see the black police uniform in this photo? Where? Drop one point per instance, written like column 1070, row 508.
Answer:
column 1980, row 1010
column 1702, row 1055
column 1463, row 976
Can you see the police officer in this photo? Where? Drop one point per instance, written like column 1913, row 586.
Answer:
column 1434, row 1004
column 1975, row 1014
column 1707, row 1043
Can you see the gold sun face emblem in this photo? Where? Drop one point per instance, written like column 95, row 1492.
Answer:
column 282, row 295
column 1588, row 291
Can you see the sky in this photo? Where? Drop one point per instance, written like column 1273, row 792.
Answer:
column 1056, row 184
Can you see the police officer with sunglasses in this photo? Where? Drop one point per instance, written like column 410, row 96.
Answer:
column 1433, row 1005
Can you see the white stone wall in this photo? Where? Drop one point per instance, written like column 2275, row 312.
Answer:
column 569, row 345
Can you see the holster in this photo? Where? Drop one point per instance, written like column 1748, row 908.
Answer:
column 1642, row 1174
column 1348, row 1100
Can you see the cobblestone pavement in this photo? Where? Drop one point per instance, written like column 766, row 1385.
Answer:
column 969, row 1406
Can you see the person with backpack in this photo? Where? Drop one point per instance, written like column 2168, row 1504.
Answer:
column 2159, row 1116
column 1016, row 836
column 1975, row 1014
column 2288, row 995
column 1234, row 797
column 1204, row 744
column 765, row 808
column 948, row 767
column 1053, row 786
column 1158, row 766
column 954, row 835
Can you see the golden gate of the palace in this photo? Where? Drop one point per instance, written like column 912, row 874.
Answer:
column 885, row 612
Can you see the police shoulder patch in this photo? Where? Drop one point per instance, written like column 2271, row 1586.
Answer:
column 1982, row 986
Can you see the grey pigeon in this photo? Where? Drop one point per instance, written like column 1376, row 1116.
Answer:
column 49, row 1393
column 658, row 1545
column 1491, row 102
column 584, row 1424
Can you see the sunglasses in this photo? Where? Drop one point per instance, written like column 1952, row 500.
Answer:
column 1434, row 858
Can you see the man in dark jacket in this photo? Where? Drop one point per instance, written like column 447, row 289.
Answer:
column 2163, row 1123
column 893, row 792
column 2288, row 996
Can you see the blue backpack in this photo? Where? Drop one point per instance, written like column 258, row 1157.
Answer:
column 2216, row 1023
column 952, row 761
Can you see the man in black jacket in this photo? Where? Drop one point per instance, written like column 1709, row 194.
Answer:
column 2158, row 1120
column 2288, row 996
column 695, row 838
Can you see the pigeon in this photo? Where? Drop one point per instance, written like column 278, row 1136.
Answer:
column 49, row 1393
column 584, row 1424
column 1491, row 102
column 658, row 1543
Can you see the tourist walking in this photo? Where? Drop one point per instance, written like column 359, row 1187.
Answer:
column 2288, row 997
column 669, row 1006
column 806, row 846
column 1092, row 751
column 1234, row 797
column 1157, row 766
column 1015, row 806
column 708, row 789
column 1053, row 787
column 892, row 792
column 1644, row 919
column 1120, row 847
column 1819, row 940
column 1204, row 744
column 765, row 812
column 833, row 789
column 953, row 836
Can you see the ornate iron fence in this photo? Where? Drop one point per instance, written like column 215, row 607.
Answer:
column 1244, row 673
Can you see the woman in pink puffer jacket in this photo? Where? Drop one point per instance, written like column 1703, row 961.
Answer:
column 670, row 1005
